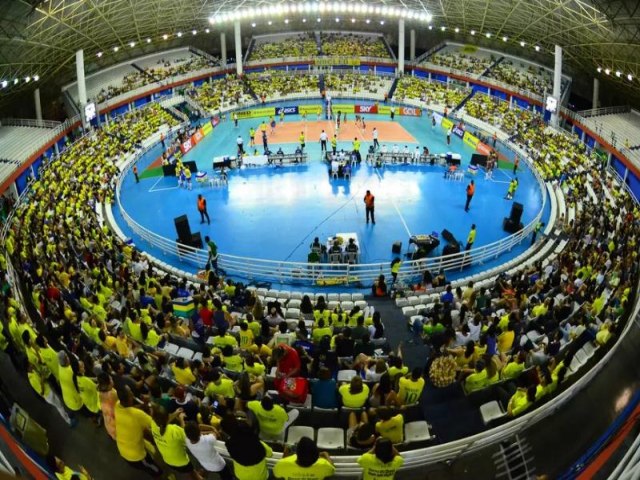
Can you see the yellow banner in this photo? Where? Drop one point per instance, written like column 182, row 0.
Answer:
column 207, row 128
column 309, row 109
column 257, row 112
column 343, row 108
column 470, row 140
column 446, row 123
column 330, row 61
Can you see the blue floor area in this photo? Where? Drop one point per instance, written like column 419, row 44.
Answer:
column 274, row 213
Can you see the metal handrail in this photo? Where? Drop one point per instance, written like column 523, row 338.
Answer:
column 594, row 112
column 29, row 122
column 323, row 273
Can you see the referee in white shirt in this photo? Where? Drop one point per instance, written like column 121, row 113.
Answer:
column 376, row 145
column 323, row 141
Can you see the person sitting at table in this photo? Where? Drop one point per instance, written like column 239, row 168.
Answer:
column 451, row 171
column 298, row 154
column 395, row 150
column 351, row 246
column 335, row 248
column 342, row 157
column 335, row 167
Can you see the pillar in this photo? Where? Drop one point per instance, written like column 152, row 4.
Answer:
column 412, row 44
column 596, row 93
column 82, row 86
column 238, row 39
column 223, row 48
column 401, row 46
column 36, row 99
column 557, row 82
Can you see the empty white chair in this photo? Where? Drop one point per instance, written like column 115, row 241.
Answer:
column 279, row 438
column 330, row 438
column 295, row 433
column 408, row 311
column 346, row 375
column 362, row 304
column 296, row 296
column 171, row 349
column 416, row 431
column 262, row 292
column 185, row 353
column 283, row 295
column 292, row 313
column 273, row 293
column 294, row 303
column 413, row 300
column 333, row 304
column 357, row 297
column 269, row 299
column 333, row 297
column 401, row 302
column 347, row 306
column 345, row 297
column 197, row 356
column 491, row 411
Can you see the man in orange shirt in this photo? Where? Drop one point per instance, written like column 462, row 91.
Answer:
column 202, row 208
column 369, row 202
column 471, row 189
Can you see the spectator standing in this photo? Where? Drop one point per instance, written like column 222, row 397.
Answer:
column 202, row 208
column 471, row 238
column 323, row 141
column 249, row 453
column 201, row 443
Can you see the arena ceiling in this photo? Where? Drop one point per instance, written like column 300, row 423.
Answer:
column 39, row 37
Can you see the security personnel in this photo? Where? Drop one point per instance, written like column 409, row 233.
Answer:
column 202, row 208
column 471, row 238
column 369, row 202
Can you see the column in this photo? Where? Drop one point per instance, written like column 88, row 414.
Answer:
column 36, row 99
column 401, row 46
column 82, row 86
column 596, row 93
column 238, row 38
column 557, row 82
column 223, row 48
column 412, row 44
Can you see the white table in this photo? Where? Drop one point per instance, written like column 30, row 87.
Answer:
column 255, row 160
column 345, row 241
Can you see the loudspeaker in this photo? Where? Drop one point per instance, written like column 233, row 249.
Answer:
column 196, row 240
column 516, row 212
column 448, row 236
column 183, row 229
column 397, row 247
column 510, row 226
column 477, row 159
column 451, row 248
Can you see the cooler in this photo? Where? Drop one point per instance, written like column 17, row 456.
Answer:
column 183, row 307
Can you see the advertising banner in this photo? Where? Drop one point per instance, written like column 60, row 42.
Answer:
column 471, row 140
column 329, row 61
column 446, row 123
column 366, row 109
column 292, row 110
column 458, row 131
column 483, row 148
column 207, row 128
column 310, row 109
column 215, row 121
column 186, row 146
column 343, row 108
column 257, row 112
column 196, row 137
column 410, row 112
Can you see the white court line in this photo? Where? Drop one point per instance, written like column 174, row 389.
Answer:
column 153, row 189
column 504, row 173
column 396, row 207
column 498, row 181
column 157, row 181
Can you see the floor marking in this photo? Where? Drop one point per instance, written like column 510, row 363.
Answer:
column 153, row 186
column 504, row 173
column 396, row 207
column 163, row 189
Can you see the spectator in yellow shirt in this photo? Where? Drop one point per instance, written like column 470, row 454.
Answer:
column 390, row 426
column 354, row 394
column 182, row 372
column 307, row 463
column 381, row 462
column 410, row 388
column 249, row 453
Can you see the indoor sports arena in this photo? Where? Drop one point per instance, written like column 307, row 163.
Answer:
column 311, row 239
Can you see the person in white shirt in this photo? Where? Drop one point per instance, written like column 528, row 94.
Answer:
column 416, row 154
column 323, row 141
column 395, row 150
column 376, row 145
column 240, row 142
column 202, row 447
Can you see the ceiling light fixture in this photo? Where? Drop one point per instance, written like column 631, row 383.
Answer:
column 165, row 36
column 457, row 30
column 537, row 48
column 473, row 32
column 132, row 44
column 504, row 39
column 4, row 84
column 115, row 49
column 599, row 69
column 522, row 44
column 37, row 77
column 148, row 40
column 179, row 34
column 194, row 32
column 253, row 24
column 607, row 71
column 630, row 77
column 488, row 35
column 99, row 54
column 618, row 73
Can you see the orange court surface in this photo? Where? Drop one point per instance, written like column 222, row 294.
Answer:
column 289, row 132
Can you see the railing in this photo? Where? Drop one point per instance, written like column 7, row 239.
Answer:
column 594, row 112
column 323, row 273
column 426, row 54
column 28, row 122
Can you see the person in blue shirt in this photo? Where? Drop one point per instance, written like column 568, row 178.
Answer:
column 146, row 300
column 324, row 390
column 447, row 296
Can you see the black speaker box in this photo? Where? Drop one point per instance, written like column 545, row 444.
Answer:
column 516, row 212
column 397, row 247
column 451, row 248
column 183, row 229
column 477, row 159
column 510, row 226
column 448, row 236
column 196, row 240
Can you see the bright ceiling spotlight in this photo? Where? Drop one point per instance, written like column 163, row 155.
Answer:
column 15, row 81
column 457, row 30
column 429, row 17
column 630, row 77
column 269, row 23
column 99, row 54
column 381, row 22
column 149, row 40
column 37, row 77
column 253, row 24
column 319, row 20
column 607, row 71
column 618, row 73
column 599, row 69
column 443, row 28
column 194, row 32
column 367, row 21
column 286, row 20
column 473, row 32
column 212, row 20
column 27, row 79
column 4, row 84
column 522, row 44
column 353, row 20
column 206, row 30
column 132, row 44
column 342, row 7
column 488, row 35
column 179, row 34
column 115, row 49
column 165, row 36
column 504, row 39
column 430, row 27
column 337, row 20
column 537, row 48
column 304, row 20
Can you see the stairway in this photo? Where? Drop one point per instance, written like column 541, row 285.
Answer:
column 497, row 62
column 321, row 83
column 249, row 51
column 318, row 42
column 142, row 70
column 392, row 90
column 389, row 49
column 248, row 88
column 464, row 100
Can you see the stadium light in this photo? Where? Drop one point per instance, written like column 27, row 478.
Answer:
column 149, row 40
column 194, row 32
column 504, row 39
column 15, row 81
column 269, row 23
column 319, row 20
column 430, row 27
column 99, row 54
column 630, row 77
column 367, row 21
column 537, row 48
column 618, row 73
column 337, row 20
column 132, row 44
column 179, row 34
column 522, row 44
column 115, row 49
column 253, row 24
column 353, row 20
column 37, row 77
column 165, row 36
column 443, row 28
column 607, row 71
column 599, row 69
column 286, row 20
column 304, row 20
column 4, row 84
column 488, row 35
column 27, row 79
column 381, row 22
column 457, row 30
column 473, row 32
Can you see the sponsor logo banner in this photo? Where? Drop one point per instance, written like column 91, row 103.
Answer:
column 410, row 111
column 328, row 61
column 186, row 146
column 343, row 108
column 470, row 140
column 458, row 131
column 207, row 128
column 215, row 121
column 307, row 109
column 257, row 112
column 483, row 148
column 293, row 110
column 446, row 123
column 196, row 137
column 366, row 109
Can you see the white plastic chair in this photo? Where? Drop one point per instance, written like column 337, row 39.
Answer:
column 330, row 438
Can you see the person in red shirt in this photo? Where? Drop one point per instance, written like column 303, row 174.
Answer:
column 471, row 189
column 369, row 203
column 206, row 315
column 287, row 362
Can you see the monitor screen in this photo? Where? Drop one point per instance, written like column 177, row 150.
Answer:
column 89, row 111
column 552, row 104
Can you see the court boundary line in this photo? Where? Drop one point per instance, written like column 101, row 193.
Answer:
column 162, row 189
column 393, row 202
